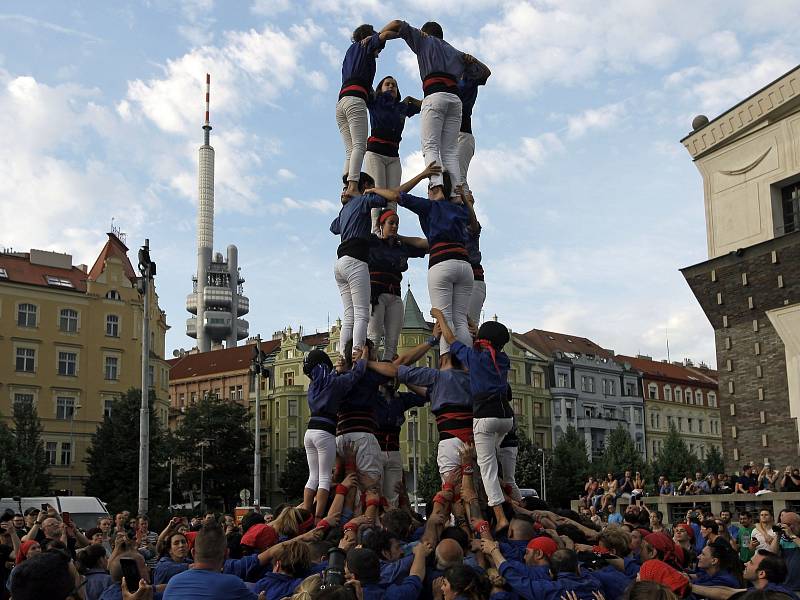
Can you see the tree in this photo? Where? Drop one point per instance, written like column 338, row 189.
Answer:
column 620, row 453
column 226, row 460
column 529, row 464
column 675, row 460
column 28, row 470
column 714, row 462
column 113, row 457
column 430, row 481
column 6, row 460
column 295, row 473
column 570, row 469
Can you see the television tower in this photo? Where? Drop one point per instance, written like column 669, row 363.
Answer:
column 217, row 298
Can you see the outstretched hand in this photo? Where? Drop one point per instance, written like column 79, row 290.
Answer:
column 431, row 169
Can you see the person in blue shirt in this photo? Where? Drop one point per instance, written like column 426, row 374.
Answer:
column 492, row 416
column 465, row 583
column 176, row 560
column 717, row 565
column 289, row 568
column 567, row 577
column 351, row 269
column 475, row 75
column 358, row 73
column 204, row 581
column 326, row 388
column 765, row 571
column 387, row 118
column 478, row 295
column 364, row 566
column 388, row 260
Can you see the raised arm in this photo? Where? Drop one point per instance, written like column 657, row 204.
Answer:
column 389, row 195
column 427, row 172
column 392, row 26
column 413, row 355
column 482, row 72
column 469, row 200
column 414, row 242
column 442, row 323
column 386, row 369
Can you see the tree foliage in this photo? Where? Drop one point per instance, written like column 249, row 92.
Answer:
column 569, row 470
column 714, row 462
column 113, row 457
column 226, row 459
column 675, row 460
column 430, row 481
column 28, row 469
column 6, row 459
column 620, row 453
column 295, row 473
column 529, row 464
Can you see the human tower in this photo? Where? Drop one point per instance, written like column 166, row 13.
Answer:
column 355, row 408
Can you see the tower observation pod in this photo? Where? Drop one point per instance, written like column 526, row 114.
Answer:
column 217, row 300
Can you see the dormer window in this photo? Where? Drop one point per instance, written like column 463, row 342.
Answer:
column 58, row 281
column 113, row 295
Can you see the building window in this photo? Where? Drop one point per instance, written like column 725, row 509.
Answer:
column 292, row 439
column 537, row 409
column 288, row 378
column 537, row 380
column 668, row 393
column 538, row 439
column 21, row 400
column 630, row 389
column 698, row 398
column 50, row 449
column 712, row 399
column 66, row 453
column 557, row 407
column 113, row 295
column 689, row 397
column 112, row 368
column 790, row 203
column 587, row 383
column 194, row 397
column 690, row 423
column 678, row 395
column 108, row 406
column 570, row 409
column 232, row 393
column 637, row 416
column 65, row 408
column 26, row 360
column 700, row 425
column 151, row 375
column 652, row 391
column 112, row 325
column 292, row 408
column 563, row 380
column 67, row 363
column 239, row 392
column 26, row 315
column 68, row 320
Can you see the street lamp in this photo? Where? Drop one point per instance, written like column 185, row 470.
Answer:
column 257, row 367
column 542, row 481
column 148, row 270
column 73, row 448
column 413, row 426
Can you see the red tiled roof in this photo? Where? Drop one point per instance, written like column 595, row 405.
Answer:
column 654, row 369
column 550, row 342
column 20, row 270
column 116, row 249
column 228, row 359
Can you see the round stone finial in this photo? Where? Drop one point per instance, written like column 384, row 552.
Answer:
column 699, row 121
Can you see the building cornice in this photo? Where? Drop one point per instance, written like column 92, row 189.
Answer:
column 746, row 115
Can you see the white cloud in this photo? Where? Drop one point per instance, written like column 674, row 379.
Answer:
column 41, row 24
column 594, row 118
column 269, row 8
column 332, row 54
column 720, row 46
column 286, row 174
column 287, row 204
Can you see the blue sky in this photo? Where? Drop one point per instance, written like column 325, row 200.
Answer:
column 589, row 203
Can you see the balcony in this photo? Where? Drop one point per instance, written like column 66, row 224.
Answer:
column 217, row 321
column 191, row 327
column 191, row 303
column 243, row 305
column 242, row 329
column 600, row 422
column 217, row 297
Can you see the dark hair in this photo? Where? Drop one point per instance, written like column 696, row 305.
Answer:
column 745, row 513
column 380, row 84
column 712, row 525
column 45, row 575
column 397, row 522
column 334, row 592
column 250, row 519
column 379, row 541
column 364, row 564
column 318, row 550
column 91, row 556
column 573, row 532
column 210, row 543
column 467, row 582
column 648, row 590
column 447, row 185
column 456, row 534
column 659, row 515
column 365, row 181
column 361, row 32
column 728, row 559
column 755, row 594
column 433, row 28
column 564, row 561
column 774, row 566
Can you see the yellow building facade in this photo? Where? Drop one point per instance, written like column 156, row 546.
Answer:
column 70, row 343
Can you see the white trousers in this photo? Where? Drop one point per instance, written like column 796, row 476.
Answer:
column 352, row 277
column 507, row 457
column 368, row 452
column 352, row 118
column 476, row 300
column 385, row 322
column 392, row 475
column 466, row 150
column 387, row 173
column 489, row 432
column 321, row 455
column 450, row 287
column 439, row 125
column 447, row 456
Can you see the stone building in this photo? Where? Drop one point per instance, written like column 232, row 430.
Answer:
column 589, row 390
column 681, row 395
column 72, row 338
column 749, row 288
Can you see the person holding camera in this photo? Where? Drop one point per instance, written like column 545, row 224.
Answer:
column 787, row 545
column 763, row 536
column 791, row 480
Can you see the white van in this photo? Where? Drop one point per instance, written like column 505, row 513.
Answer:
column 84, row 510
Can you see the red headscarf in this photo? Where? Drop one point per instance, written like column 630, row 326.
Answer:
column 23, row 550
column 664, row 545
column 260, row 537
column 687, row 528
column 661, row 572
